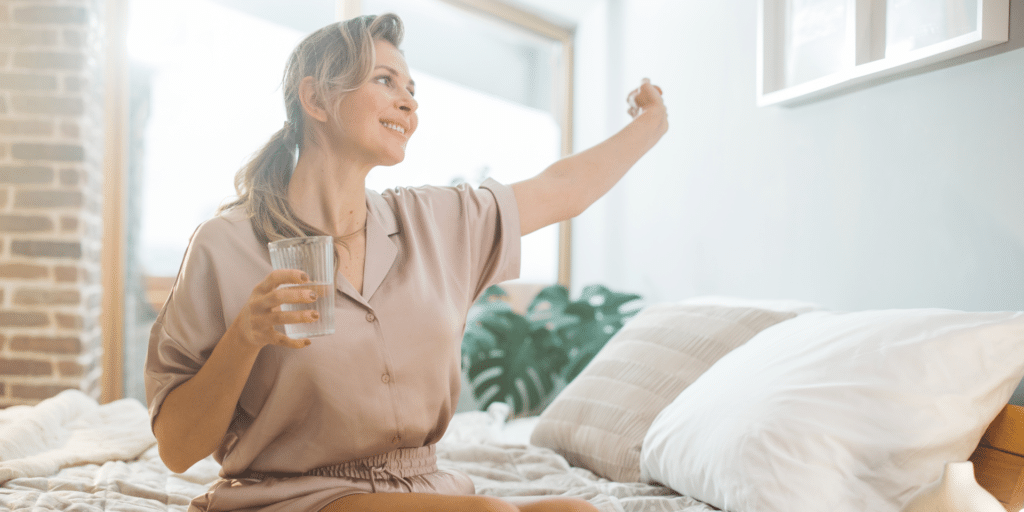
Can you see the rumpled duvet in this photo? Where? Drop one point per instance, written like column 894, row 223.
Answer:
column 71, row 454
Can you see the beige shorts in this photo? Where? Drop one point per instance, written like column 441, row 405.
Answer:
column 403, row 470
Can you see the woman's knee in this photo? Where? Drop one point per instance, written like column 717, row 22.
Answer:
column 388, row 502
column 492, row 504
column 559, row 505
column 578, row 505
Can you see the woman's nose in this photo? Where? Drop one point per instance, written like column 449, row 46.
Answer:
column 407, row 103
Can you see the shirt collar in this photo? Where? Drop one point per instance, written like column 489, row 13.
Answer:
column 379, row 208
column 381, row 251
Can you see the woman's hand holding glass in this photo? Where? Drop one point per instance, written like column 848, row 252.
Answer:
column 255, row 323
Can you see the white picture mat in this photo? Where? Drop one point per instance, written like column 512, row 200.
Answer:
column 816, row 42
column 913, row 24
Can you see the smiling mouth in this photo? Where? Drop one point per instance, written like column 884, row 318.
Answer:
column 393, row 126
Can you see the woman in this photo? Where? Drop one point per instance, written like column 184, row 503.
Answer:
column 349, row 421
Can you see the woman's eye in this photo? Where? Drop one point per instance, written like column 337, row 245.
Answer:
column 386, row 80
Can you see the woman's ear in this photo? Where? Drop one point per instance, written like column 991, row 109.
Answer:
column 311, row 103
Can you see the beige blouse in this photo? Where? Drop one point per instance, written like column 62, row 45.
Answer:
column 389, row 376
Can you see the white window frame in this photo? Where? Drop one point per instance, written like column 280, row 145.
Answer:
column 865, row 38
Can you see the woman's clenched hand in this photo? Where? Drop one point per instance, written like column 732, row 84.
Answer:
column 645, row 98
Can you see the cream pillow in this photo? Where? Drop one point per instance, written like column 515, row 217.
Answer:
column 838, row 411
column 599, row 420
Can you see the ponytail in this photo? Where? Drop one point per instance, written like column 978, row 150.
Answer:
column 340, row 58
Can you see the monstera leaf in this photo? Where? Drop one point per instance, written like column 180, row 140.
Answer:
column 522, row 360
column 511, row 359
column 601, row 313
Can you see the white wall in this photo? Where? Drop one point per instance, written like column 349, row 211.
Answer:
column 903, row 194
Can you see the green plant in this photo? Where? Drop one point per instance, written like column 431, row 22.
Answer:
column 522, row 360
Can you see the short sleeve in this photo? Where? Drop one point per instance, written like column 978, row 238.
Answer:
column 188, row 326
column 497, row 219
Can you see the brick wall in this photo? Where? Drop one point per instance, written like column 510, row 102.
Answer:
column 51, row 119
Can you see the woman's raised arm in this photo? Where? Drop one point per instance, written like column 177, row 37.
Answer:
column 570, row 185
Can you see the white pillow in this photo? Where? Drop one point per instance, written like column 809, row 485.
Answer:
column 837, row 411
column 599, row 420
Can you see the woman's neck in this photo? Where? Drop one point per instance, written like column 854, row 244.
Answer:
column 329, row 193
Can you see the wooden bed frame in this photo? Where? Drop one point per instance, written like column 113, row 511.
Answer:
column 999, row 458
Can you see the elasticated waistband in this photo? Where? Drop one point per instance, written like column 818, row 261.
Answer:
column 402, row 463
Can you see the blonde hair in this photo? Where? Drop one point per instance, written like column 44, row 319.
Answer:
column 340, row 58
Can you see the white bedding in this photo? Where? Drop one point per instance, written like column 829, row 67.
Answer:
column 67, row 453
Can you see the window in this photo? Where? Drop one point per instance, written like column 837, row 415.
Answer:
column 204, row 94
column 214, row 98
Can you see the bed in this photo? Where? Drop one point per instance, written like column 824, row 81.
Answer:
column 706, row 404
column 71, row 454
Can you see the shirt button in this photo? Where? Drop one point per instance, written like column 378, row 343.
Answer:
column 386, row 378
column 370, row 317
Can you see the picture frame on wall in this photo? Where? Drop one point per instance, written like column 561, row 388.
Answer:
column 810, row 48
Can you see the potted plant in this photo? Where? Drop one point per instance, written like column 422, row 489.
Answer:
column 524, row 360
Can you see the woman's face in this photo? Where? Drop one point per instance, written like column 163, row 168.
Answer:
column 377, row 119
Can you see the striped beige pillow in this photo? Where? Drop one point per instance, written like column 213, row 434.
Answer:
column 599, row 420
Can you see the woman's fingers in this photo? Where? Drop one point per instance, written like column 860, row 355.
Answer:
column 294, row 317
column 643, row 97
column 647, row 81
column 256, row 322
column 274, row 336
column 648, row 94
column 279, row 277
column 285, row 341
column 289, row 295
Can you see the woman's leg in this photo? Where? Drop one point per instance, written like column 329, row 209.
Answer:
column 419, row 502
column 558, row 505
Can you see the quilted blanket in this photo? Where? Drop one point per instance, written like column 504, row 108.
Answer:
column 71, row 454
column 526, row 471
column 68, row 430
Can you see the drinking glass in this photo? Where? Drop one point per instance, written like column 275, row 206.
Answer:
column 313, row 255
